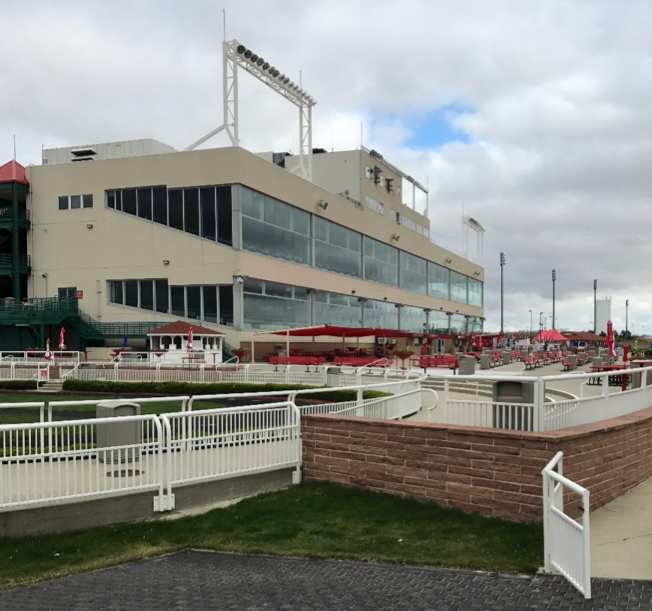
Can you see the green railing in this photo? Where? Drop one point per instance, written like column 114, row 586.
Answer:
column 50, row 310
column 92, row 328
column 6, row 214
column 23, row 260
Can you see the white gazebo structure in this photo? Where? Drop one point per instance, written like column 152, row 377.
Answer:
column 169, row 344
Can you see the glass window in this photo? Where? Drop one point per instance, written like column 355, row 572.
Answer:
column 475, row 292
column 438, row 322
column 175, row 208
column 110, row 199
column 278, row 306
column 226, row 305
column 87, row 201
column 131, row 293
column 413, row 275
column 224, row 216
column 438, row 281
column 147, row 294
column 191, row 210
column 210, row 303
column 458, row 287
column 338, row 310
column 129, row 201
column 284, row 232
column 413, row 319
column 381, row 315
column 144, row 198
column 177, row 294
column 380, row 262
column 116, row 294
column 161, row 296
column 194, row 301
column 337, row 249
column 75, row 201
column 67, row 292
column 63, row 202
column 160, row 196
column 458, row 323
column 474, row 324
column 208, row 216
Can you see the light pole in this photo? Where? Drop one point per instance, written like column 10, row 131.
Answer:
column 540, row 321
column 502, row 313
column 530, row 322
column 554, row 277
column 595, row 306
column 627, row 316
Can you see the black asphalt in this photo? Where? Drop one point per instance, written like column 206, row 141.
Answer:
column 203, row 581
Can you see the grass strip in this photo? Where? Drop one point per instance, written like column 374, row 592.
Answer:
column 315, row 520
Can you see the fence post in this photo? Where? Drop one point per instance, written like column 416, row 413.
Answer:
column 13, row 371
column 201, row 369
column 539, row 400
column 158, row 372
column 360, row 396
column 446, row 414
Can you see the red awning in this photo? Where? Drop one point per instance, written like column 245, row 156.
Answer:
column 550, row 335
column 333, row 331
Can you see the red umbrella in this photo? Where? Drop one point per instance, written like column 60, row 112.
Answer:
column 62, row 346
column 424, row 350
column 625, row 353
column 48, row 354
column 189, row 344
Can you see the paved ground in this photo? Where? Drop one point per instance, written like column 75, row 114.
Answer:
column 201, row 581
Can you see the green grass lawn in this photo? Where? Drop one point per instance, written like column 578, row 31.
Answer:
column 315, row 520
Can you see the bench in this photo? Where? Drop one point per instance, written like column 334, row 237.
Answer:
column 297, row 360
column 529, row 363
column 567, row 365
column 444, row 361
column 361, row 361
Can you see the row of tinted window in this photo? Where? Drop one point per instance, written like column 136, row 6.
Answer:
column 211, row 303
column 202, row 211
column 70, row 202
column 270, row 305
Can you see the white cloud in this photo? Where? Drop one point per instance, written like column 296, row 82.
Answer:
column 560, row 115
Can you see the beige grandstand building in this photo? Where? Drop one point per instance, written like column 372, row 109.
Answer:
column 137, row 232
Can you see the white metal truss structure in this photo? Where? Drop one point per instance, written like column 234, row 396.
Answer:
column 469, row 223
column 236, row 55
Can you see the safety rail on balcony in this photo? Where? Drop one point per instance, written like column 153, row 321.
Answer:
column 6, row 213
column 23, row 260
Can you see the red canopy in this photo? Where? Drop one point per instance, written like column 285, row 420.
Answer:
column 550, row 335
column 333, row 331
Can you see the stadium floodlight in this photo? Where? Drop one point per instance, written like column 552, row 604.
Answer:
column 236, row 55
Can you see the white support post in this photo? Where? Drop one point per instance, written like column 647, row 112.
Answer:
column 446, row 414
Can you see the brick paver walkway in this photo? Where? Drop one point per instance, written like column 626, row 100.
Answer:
column 203, row 581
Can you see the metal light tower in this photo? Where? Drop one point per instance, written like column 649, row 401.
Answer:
column 626, row 316
column 530, row 322
column 502, row 312
column 236, row 55
column 595, row 306
column 554, row 277
column 540, row 321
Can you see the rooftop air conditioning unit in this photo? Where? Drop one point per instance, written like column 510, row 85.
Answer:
column 380, row 340
column 377, row 174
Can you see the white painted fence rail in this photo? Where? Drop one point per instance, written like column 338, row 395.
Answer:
column 545, row 415
column 567, row 542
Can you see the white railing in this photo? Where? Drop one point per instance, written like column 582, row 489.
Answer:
column 542, row 415
column 52, row 405
column 387, row 408
column 567, row 542
column 60, row 357
column 53, row 461
column 219, row 443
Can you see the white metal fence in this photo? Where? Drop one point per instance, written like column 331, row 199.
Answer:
column 567, row 542
column 52, row 461
column 546, row 415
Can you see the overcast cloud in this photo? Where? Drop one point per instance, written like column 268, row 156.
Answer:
column 533, row 117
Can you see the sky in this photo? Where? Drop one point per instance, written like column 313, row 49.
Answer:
column 532, row 117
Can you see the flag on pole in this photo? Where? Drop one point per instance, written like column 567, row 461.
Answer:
column 48, row 354
column 189, row 344
column 62, row 345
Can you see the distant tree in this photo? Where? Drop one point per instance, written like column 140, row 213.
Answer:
column 625, row 335
column 603, row 333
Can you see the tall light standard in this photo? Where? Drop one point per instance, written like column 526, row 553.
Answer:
column 626, row 316
column 540, row 321
column 595, row 306
column 502, row 313
column 530, row 322
column 554, row 277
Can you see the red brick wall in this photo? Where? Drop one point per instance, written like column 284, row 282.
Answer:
column 488, row 471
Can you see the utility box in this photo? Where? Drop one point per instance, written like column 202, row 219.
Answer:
column 596, row 361
column 592, row 354
column 115, row 435
column 515, row 417
column 333, row 376
column 507, row 357
column 467, row 365
column 484, row 361
column 636, row 378
column 572, row 361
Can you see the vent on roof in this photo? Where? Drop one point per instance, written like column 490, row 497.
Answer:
column 83, row 154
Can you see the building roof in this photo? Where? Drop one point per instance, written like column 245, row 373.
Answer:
column 12, row 171
column 181, row 328
column 583, row 336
